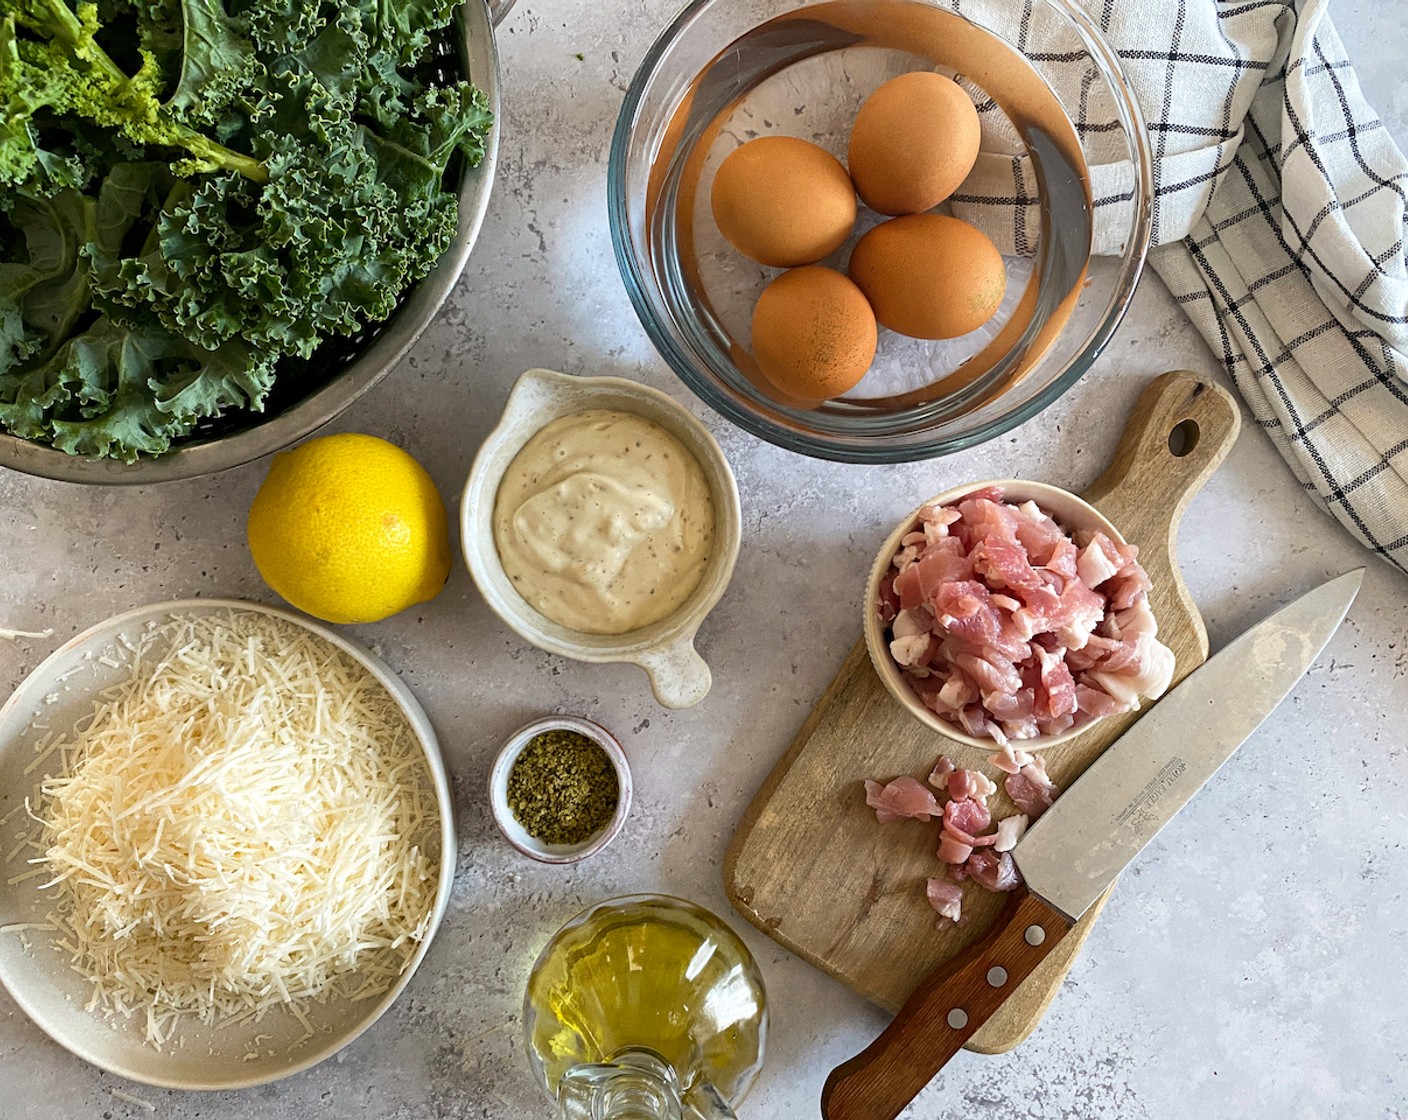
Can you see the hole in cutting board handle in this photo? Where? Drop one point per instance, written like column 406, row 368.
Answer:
column 1183, row 438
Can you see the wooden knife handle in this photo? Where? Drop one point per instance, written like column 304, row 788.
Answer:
column 945, row 1011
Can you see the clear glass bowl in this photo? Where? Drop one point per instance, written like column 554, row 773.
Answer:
column 728, row 70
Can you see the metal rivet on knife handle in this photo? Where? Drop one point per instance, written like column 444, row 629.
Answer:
column 997, row 976
column 1035, row 935
column 958, row 1018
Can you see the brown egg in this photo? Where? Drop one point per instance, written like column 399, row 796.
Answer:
column 929, row 276
column 783, row 201
column 914, row 141
column 813, row 333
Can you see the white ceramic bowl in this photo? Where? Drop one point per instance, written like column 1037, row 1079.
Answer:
column 1071, row 512
column 40, row 980
column 520, row 837
column 665, row 649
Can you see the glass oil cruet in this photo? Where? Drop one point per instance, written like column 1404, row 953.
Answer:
column 645, row 1008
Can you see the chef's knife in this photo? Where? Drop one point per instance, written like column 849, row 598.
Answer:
column 1078, row 847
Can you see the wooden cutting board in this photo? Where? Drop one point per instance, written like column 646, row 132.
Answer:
column 809, row 865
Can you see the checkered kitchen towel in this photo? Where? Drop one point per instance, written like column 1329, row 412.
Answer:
column 1280, row 220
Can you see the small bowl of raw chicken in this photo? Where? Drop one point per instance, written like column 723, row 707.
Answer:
column 1012, row 612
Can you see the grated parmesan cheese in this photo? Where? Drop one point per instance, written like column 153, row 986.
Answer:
column 244, row 823
column 16, row 635
column 146, row 1106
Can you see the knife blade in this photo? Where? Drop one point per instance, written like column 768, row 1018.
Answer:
column 1082, row 843
column 1078, row 847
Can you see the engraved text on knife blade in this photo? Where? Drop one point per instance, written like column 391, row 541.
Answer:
column 1139, row 812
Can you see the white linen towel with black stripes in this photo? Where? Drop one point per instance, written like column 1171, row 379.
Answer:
column 1280, row 221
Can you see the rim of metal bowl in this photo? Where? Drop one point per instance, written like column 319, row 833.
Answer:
column 398, row 334
column 852, row 449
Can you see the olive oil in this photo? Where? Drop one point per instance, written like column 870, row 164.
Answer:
column 649, row 1002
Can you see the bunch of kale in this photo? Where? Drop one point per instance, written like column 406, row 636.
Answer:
column 191, row 190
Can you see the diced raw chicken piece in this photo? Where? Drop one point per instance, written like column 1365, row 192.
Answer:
column 1098, row 560
column 992, row 870
column 1081, row 611
column 900, row 799
column 1030, row 789
column 908, row 588
column 1057, row 725
column 965, row 611
column 988, row 676
column 975, row 721
column 946, row 898
column 938, row 515
column 1125, row 588
column 1095, row 702
column 1064, row 562
column 952, row 849
column 1016, row 713
column 1038, row 532
column 963, row 784
column 909, row 623
column 1010, row 759
column 937, row 530
column 887, row 603
column 909, row 651
column 1150, row 675
column 1004, row 564
column 1009, row 831
column 938, row 777
column 1058, row 687
column 1133, row 621
column 966, row 818
column 958, row 691
column 942, row 562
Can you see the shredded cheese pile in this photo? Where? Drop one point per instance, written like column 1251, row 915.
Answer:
column 243, row 824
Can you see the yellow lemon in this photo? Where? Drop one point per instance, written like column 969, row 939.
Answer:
column 350, row 528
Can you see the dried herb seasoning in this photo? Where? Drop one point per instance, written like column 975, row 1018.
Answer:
column 562, row 787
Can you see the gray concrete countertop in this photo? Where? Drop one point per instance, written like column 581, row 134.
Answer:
column 1250, row 965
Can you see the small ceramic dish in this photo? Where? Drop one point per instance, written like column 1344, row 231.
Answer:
column 678, row 676
column 60, row 692
column 1070, row 512
column 520, row 837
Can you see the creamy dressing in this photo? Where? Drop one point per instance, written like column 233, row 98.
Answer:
column 604, row 522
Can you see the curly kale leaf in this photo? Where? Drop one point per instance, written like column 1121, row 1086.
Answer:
column 121, row 386
column 281, row 27
column 78, row 77
column 184, row 207
column 43, row 286
column 403, row 26
column 125, row 222
column 442, row 121
column 113, row 391
column 31, row 157
column 327, row 244
column 218, row 64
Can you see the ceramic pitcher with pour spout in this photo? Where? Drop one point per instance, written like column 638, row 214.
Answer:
column 645, row 1008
